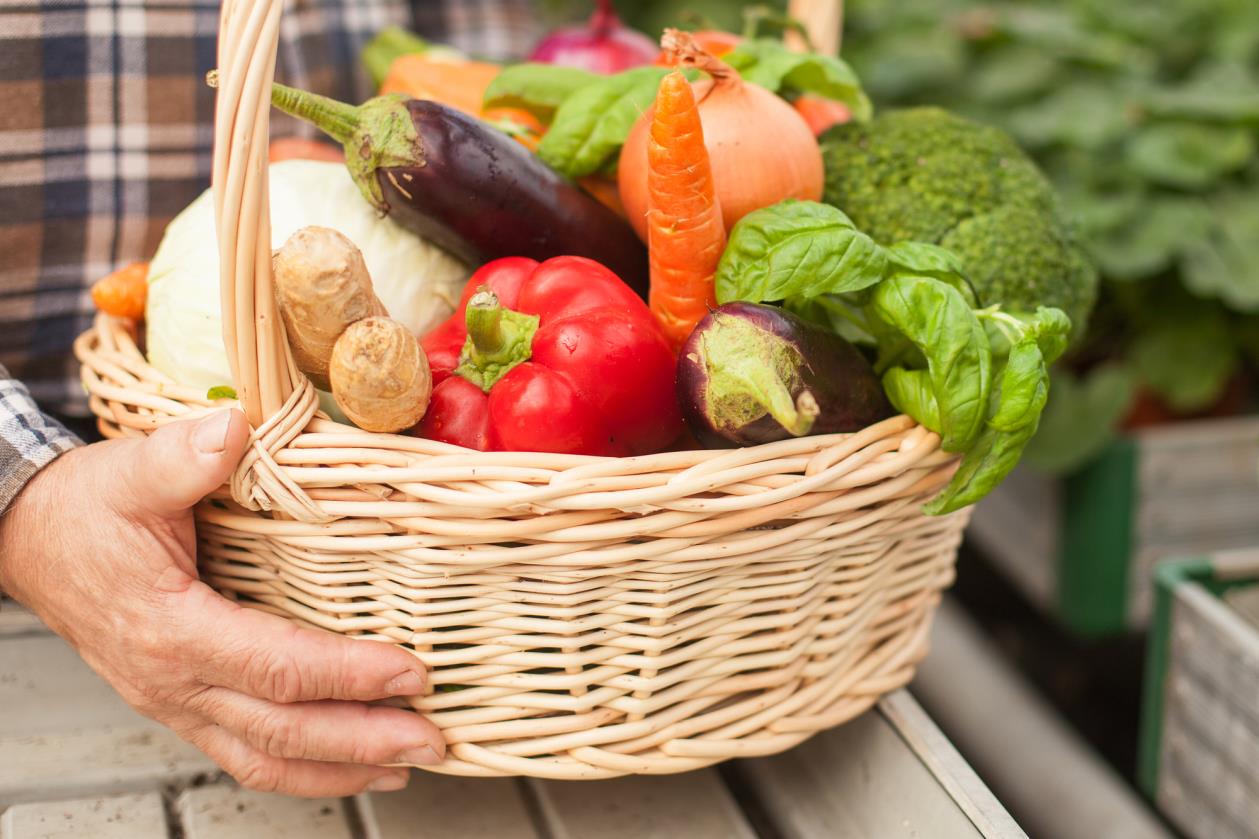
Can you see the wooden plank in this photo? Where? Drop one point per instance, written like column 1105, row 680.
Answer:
column 696, row 805
column 857, row 780
column 226, row 811
column 64, row 733
column 119, row 817
column 450, row 806
column 949, row 768
column 15, row 620
column 1036, row 764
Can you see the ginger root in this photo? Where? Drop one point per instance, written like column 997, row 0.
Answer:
column 380, row 375
column 322, row 286
column 341, row 335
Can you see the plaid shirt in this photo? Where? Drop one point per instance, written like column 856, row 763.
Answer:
column 105, row 134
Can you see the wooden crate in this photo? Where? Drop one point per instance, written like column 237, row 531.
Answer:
column 1083, row 548
column 1200, row 717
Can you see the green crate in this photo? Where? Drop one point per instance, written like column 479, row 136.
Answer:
column 1199, row 746
column 1083, row 548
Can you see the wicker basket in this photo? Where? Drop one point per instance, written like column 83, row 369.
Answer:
column 583, row 617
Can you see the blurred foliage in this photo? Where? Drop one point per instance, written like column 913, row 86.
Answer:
column 1146, row 116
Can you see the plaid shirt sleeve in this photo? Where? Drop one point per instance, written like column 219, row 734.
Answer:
column 29, row 440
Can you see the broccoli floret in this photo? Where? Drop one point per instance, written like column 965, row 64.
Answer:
column 926, row 175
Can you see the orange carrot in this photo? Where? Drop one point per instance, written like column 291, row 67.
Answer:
column 459, row 84
column 685, row 233
column 124, row 292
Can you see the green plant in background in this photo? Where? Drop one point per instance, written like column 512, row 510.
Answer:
column 1146, row 116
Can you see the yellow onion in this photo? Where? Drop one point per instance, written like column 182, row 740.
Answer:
column 762, row 151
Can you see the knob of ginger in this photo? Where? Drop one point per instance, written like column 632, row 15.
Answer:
column 380, row 375
column 322, row 286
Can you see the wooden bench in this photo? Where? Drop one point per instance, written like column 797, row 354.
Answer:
column 76, row 761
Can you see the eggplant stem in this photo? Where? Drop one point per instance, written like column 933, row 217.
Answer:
column 336, row 119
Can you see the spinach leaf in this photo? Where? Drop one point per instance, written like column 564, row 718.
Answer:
column 936, row 319
column 910, row 392
column 796, row 249
column 768, row 63
column 593, row 122
column 1188, row 156
column 539, row 89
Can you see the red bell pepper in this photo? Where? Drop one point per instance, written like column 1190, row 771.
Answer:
column 554, row 357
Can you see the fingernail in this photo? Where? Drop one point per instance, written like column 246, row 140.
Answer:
column 420, row 756
column 210, row 436
column 389, row 783
column 406, row 683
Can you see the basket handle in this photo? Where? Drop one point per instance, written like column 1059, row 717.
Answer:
column 822, row 19
column 278, row 400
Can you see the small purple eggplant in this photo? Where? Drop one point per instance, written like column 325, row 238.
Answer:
column 752, row 374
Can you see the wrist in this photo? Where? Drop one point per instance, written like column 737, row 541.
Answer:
column 22, row 525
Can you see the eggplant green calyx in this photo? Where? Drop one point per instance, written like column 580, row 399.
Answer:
column 376, row 135
column 751, row 373
column 498, row 340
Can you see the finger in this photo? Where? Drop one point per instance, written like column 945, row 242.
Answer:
column 265, row 656
column 328, row 730
column 179, row 464
column 256, row 770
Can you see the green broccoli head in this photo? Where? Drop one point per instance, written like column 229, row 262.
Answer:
column 924, row 174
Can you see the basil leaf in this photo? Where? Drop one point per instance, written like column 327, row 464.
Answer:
column 910, row 392
column 592, row 124
column 936, row 319
column 993, row 456
column 1052, row 330
column 924, row 260
column 1024, row 387
column 771, row 65
column 220, row 392
column 539, row 89
column 796, row 249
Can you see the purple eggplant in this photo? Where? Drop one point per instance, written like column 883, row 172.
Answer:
column 752, row 374
column 466, row 186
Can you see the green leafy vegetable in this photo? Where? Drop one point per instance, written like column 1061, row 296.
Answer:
column 1024, row 387
column 937, row 320
column 1187, row 362
column 797, row 249
column 593, row 122
column 1189, row 156
column 911, row 392
column 220, row 392
column 771, row 65
column 539, row 89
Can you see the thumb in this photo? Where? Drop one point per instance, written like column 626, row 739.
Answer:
column 181, row 463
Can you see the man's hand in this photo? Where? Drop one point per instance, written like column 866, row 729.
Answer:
column 100, row 544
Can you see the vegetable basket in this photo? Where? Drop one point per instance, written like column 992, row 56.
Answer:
column 583, row 617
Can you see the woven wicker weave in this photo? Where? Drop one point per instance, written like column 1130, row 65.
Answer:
column 584, row 617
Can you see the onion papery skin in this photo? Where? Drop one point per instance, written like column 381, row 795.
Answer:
column 762, row 152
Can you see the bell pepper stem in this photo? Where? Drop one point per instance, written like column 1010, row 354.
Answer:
column 498, row 340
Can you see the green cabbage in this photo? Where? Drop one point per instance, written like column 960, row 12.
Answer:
column 418, row 282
